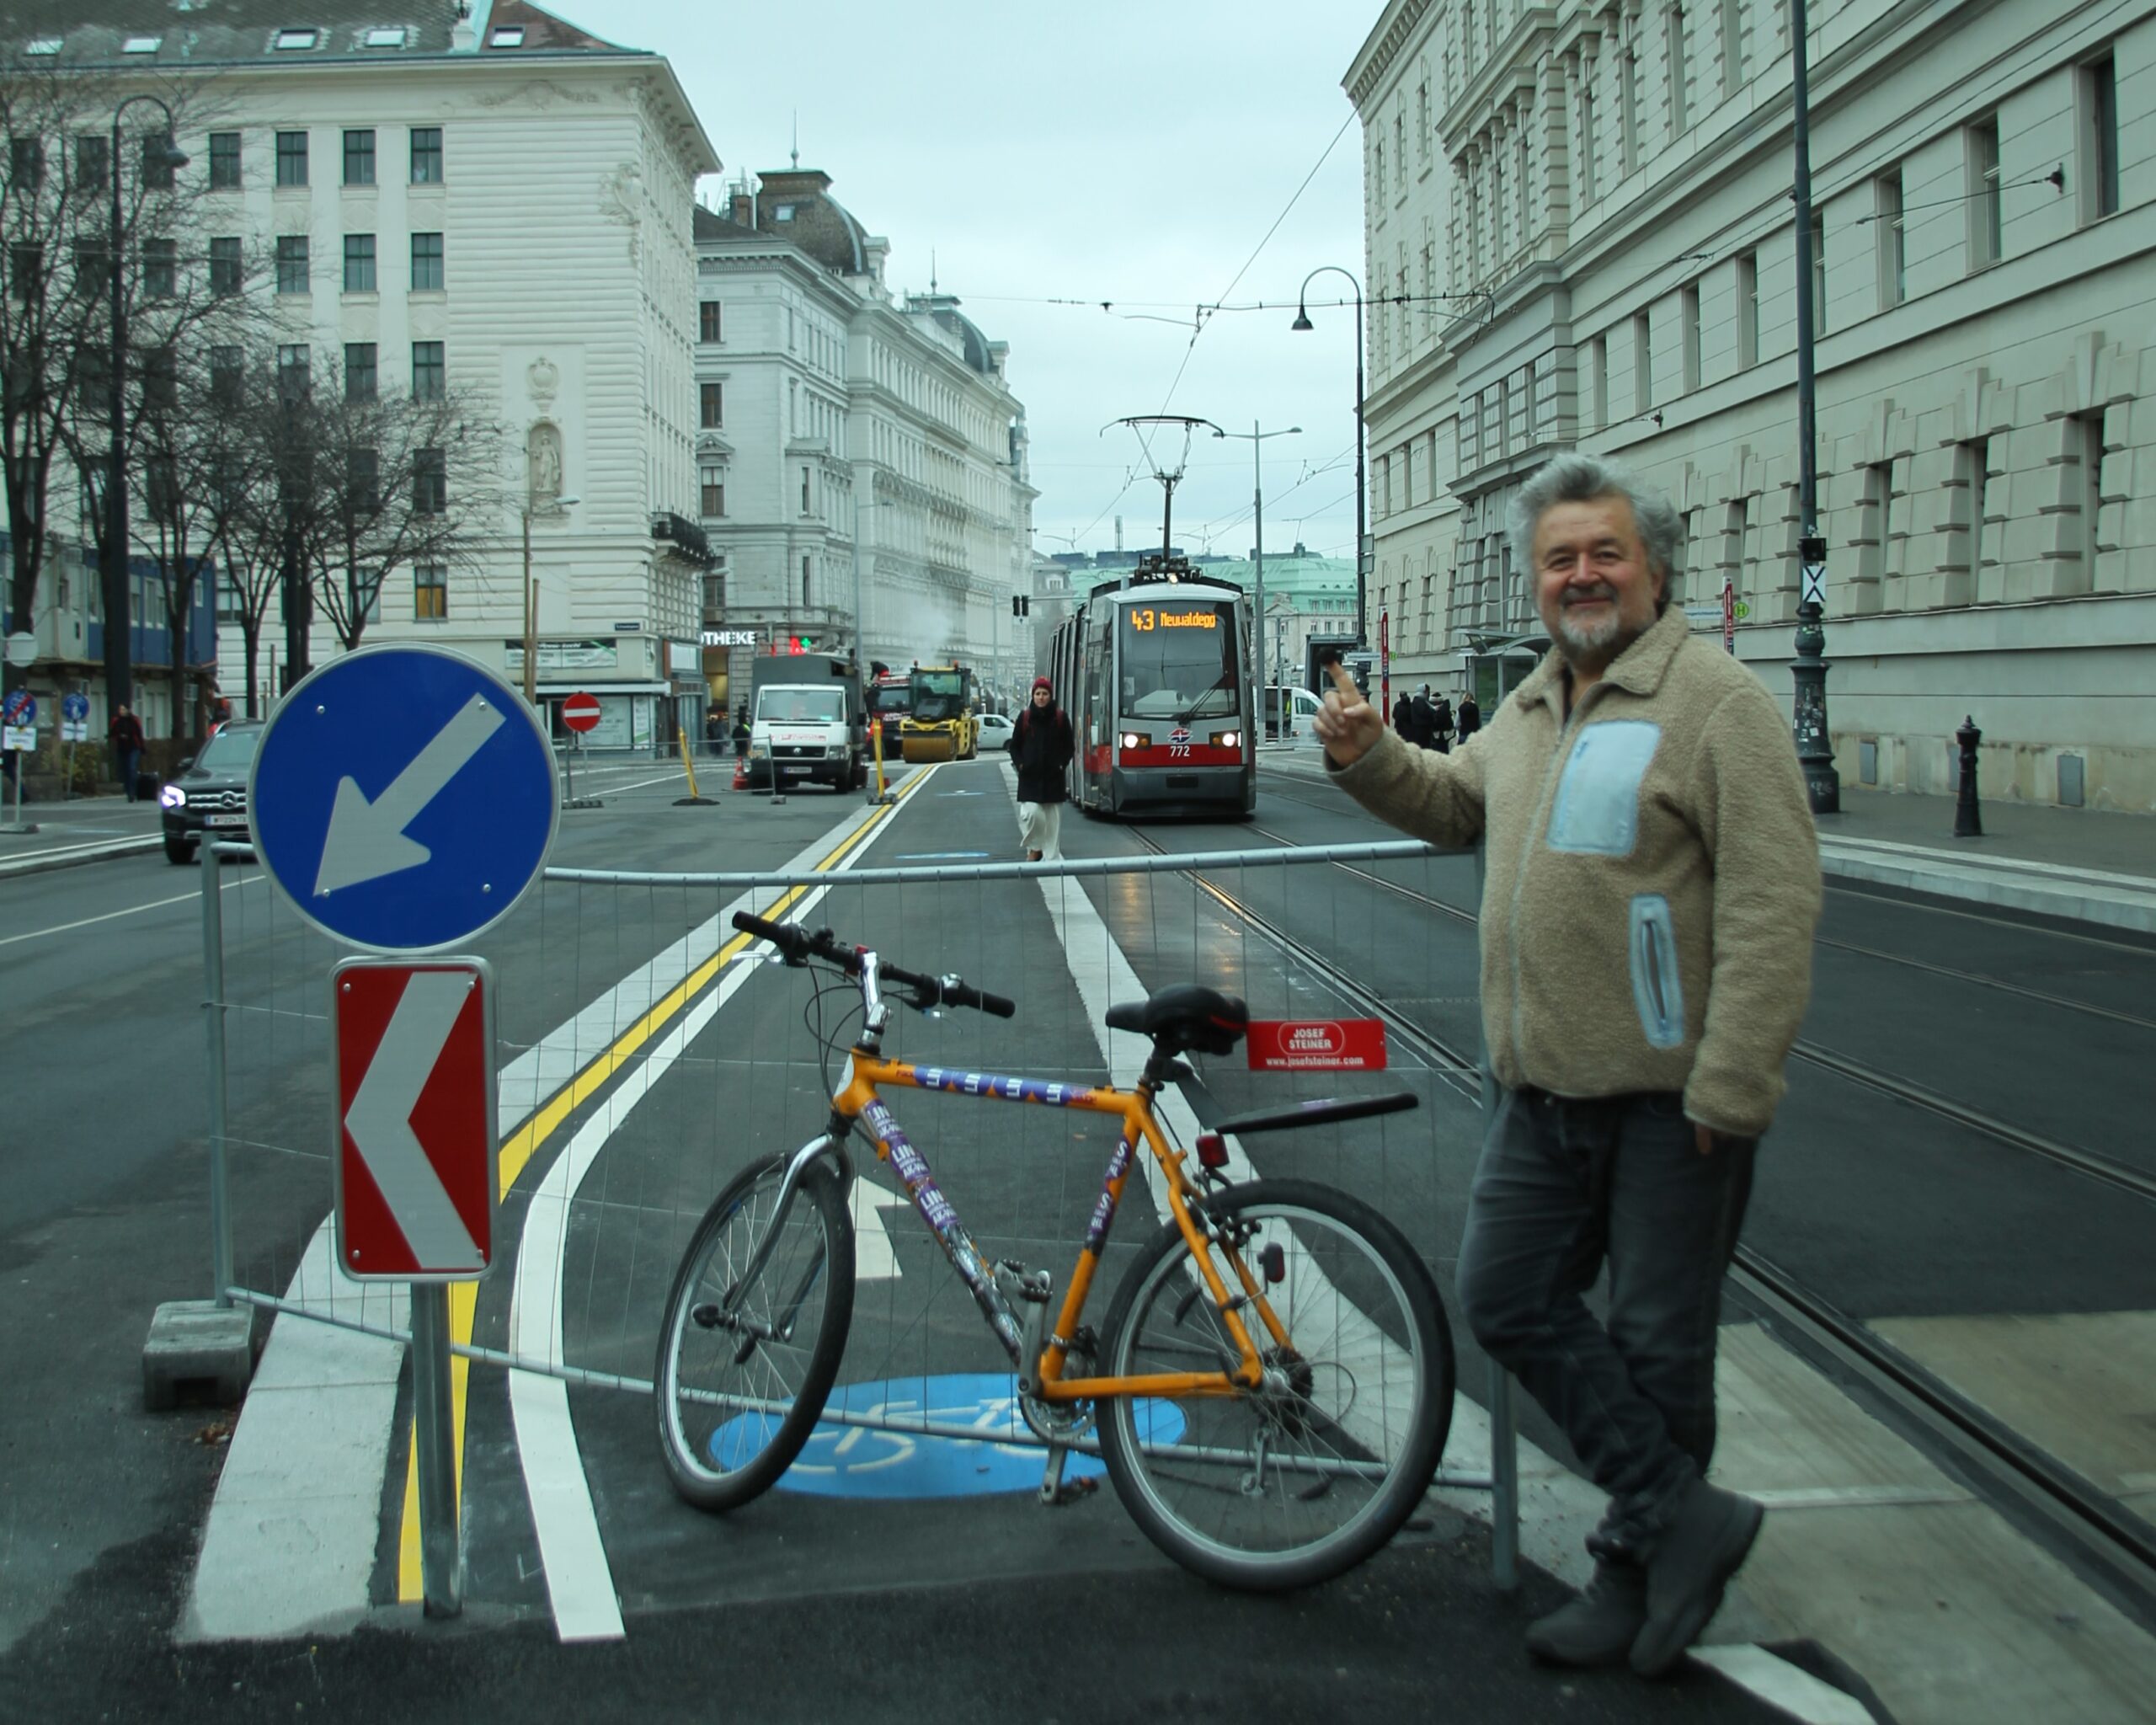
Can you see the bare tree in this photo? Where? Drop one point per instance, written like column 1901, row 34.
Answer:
column 61, row 268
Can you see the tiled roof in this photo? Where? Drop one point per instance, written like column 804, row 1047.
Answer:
column 229, row 32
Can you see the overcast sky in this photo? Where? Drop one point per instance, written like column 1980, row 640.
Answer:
column 1104, row 150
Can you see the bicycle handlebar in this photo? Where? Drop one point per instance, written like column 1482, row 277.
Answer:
column 798, row 946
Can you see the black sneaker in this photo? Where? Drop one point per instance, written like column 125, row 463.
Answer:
column 1703, row 1546
column 1599, row 1627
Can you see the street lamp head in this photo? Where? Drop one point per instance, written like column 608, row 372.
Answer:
column 1302, row 319
column 564, row 502
column 172, row 156
column 1294, row 431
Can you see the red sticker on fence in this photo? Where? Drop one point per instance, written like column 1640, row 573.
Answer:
column 1317, row 1045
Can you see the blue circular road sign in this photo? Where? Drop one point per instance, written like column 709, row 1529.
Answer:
column 75, row 707
column 403, row 798
column 21, row 707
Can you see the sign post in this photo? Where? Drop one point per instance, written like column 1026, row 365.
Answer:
column 414, row 1166
column 404, row 800
column 1385, row 667
column 579, row 712
column 18, row 732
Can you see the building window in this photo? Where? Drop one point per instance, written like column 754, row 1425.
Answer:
column 361, row 378
column 1588, row 142
column 1893, row 248
column 1688, row 300
column 707, row 320
column 160, row 269
column 1642, row 362
column 426, row 155
column 426, row 262
column 1628, row 110
column 1422, row 116
column 1377, row 171
column 363, row 481
column 294, row 371
column 804, row 491
column 224, row 373
column 291, row 39
column 1732, row 45
column 359, row 157
column 359, row 263
column 2099, row 139
column 160, row 380
column 2090, row 429
column 1520, row 179
column 805, row 600
column 291, row 262
column 291, row 158
column 430, row 592
column 1819, row 274
column 222, row 268
column 1973, row 460
column 93, row 161
column 26, row 163
column 1679, row 72
column 429, row 483
column 1747, row 309
column 1598, row 371
column 224, row 161
column 712, row 412
column 430, row 372
column 714, row 492
column 158, row 173
column 1986, row 228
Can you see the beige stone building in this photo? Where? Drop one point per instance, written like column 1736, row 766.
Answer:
column 1605, row 190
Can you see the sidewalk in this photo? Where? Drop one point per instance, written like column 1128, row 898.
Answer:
column 85, row 830
column 2074, row 862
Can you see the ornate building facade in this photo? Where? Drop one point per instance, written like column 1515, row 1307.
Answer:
column 1604, row 188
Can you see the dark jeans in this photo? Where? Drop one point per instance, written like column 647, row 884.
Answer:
column 1562, row 1186
column 128, row 758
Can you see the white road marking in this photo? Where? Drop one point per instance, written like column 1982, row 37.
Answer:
column 579, row 1582
column 131, row 911
column 873, row 1258
column 1789, row 1687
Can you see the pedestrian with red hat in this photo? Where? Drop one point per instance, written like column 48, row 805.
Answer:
column 1041, row 749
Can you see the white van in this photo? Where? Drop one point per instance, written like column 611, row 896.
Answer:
column 1301, row 707
column 801, row 732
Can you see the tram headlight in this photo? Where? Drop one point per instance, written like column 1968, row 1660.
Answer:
column 1131, row 739
column 1227, row 739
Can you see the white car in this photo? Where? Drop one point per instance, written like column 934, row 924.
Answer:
column 995, row 731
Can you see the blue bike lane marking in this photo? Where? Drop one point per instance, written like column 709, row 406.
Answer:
column 862, row 1461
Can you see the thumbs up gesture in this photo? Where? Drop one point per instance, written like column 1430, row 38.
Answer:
column 1346, row 723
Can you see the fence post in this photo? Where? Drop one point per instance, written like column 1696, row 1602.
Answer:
column 1504, row 1422
column 1968, row 824
column 213, row 1007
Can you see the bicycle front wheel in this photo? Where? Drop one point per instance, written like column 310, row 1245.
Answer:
column 1293, row 1482
column 744, row 1370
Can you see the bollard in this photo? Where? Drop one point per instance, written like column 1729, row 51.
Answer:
column 688, row 765
column 1968, row 824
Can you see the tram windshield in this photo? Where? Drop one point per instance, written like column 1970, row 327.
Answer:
column 1179, row 661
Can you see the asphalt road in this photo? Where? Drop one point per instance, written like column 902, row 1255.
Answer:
column 102, row 1213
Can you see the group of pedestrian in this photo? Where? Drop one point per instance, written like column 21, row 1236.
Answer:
column 1649, row 894
column 1428, row 721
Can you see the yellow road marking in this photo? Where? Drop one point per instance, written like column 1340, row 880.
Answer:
column 515, row 1155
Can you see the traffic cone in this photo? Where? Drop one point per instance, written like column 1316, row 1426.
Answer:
column 740, row 772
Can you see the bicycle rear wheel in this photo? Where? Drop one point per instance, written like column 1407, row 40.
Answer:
column 743, row 1372
column 1297, row 1482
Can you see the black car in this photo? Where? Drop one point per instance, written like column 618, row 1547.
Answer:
column 209, row 793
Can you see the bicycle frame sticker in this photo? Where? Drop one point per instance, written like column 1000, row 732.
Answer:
column 1057, row 1094
column 1096, row 1230
column 943, row 1221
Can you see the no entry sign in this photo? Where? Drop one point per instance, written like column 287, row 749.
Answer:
column 1317, row 1045
column 580, row 713
column 415, row 1118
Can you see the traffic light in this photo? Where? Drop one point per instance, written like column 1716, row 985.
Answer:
column 1021, row 605
column 797, row 644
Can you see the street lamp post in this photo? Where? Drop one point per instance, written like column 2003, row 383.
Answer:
column 1362, row 524
column 1815, row 751
column 531, row 605
column 119, row 642
column 1258, row 557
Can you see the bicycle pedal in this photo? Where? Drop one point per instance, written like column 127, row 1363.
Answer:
column 1070, row 1490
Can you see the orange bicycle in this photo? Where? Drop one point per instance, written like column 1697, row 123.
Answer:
column 1271, row 1389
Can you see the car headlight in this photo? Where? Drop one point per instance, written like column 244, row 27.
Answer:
column 835, row 751
column 1227, row 739
column 172, row 796
column 1131, row 739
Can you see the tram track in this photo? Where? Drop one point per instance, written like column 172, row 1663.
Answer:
column 2118, row 1543
column 2096, row 1165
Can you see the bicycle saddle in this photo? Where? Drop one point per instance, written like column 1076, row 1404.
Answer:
column 1185, row 1016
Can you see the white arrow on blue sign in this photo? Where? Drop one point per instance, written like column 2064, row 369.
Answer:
column 75, row 707
column 403, row 798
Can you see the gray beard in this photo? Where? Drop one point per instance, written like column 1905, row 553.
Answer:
column 1592, row 647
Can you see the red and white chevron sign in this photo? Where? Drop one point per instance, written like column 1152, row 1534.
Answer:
column 415, row 1118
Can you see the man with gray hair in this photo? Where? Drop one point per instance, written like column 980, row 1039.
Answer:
column 1647, row 911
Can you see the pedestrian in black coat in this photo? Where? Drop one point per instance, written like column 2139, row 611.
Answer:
column 1040, row 748
column 1470, row 718
column 1405, row 720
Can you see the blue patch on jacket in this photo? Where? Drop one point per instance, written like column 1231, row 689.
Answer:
column 1598, row 807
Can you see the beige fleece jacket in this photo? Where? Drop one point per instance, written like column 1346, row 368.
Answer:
column 1652, row 880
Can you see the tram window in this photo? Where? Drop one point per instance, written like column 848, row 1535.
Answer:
column 1179, row 662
